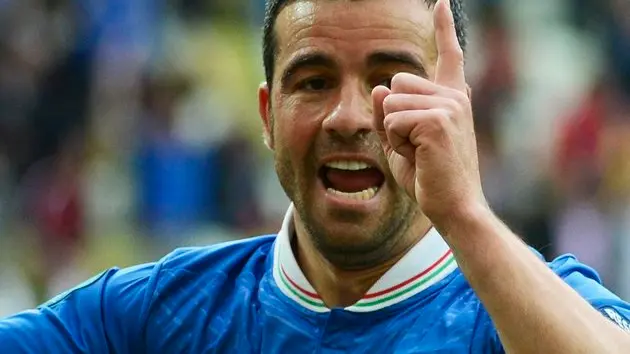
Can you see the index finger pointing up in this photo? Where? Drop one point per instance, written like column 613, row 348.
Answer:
column 450, row 64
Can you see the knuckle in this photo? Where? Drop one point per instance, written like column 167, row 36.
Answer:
column 441, row 117
column 453, row 105
column 436, row 122
column 388, row 122
column 428, row 129
column 403, row 79
column 456, row 52
column 459, row 98
column 388, row 104
column 459, row 54
column 397, row 81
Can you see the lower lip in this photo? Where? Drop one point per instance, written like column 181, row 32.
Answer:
column 340, row 202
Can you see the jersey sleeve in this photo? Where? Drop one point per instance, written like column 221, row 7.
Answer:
column 589, row 285
column 104, row 314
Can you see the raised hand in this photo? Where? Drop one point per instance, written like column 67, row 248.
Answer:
column 427, row 131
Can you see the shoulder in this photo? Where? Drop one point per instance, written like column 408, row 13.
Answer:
column 579, row 276
column 567, row 264
column 143, row 306
column 185, row 272
column 212, row 271
column 221, row 257
column 201, row 287
column 459, row 297
column 214, row 259
column 588, row 284
column 192, row 267
column 576, row 274
column 583, row 279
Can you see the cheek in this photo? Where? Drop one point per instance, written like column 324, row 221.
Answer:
column 296, row 127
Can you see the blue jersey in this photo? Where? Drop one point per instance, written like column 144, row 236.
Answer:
column 251, row 297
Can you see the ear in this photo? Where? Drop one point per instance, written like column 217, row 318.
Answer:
column 264, row 109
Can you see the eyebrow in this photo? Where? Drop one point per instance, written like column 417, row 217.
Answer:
column 306, row 60
column 318, row 59
column 396, row 57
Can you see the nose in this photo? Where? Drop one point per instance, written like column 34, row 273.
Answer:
column 352, row 115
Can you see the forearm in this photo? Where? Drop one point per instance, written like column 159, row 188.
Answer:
column 533, row 310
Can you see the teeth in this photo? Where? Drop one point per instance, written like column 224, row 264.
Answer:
column 365, row 194
column 348, row 165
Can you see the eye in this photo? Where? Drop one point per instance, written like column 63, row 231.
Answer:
column 314, row 84
column 383, row 81
column 386, row 82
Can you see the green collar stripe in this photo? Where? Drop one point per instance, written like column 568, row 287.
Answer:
column 419, row 283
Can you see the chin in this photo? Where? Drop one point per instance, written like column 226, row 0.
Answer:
column 352, row 237
column 354, row 249
column 351, row 230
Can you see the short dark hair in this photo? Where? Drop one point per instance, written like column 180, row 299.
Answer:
column 273, row 8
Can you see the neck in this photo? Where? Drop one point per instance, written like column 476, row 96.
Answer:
column 340, row 287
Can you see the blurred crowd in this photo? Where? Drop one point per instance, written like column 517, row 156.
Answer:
column 131, row 127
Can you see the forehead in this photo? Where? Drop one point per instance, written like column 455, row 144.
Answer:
column 355, row 27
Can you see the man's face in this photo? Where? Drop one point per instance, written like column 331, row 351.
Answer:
column 318, row 117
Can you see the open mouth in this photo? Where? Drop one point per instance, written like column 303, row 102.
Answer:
column 351, row 179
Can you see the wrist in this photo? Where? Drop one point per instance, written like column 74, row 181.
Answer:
column 465, row 220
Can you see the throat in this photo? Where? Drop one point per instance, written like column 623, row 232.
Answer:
column 337, row 287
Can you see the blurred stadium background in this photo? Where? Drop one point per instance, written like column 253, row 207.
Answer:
column 129, row 127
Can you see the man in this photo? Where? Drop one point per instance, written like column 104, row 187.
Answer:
column 388, row 247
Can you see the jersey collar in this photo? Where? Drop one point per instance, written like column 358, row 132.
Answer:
column 427, row 263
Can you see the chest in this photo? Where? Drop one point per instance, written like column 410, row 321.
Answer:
column 260, row 319
column 429, row 330
column 277, row 328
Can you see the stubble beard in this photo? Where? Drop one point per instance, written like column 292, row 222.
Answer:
column 387, row 239
column 385, row 242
